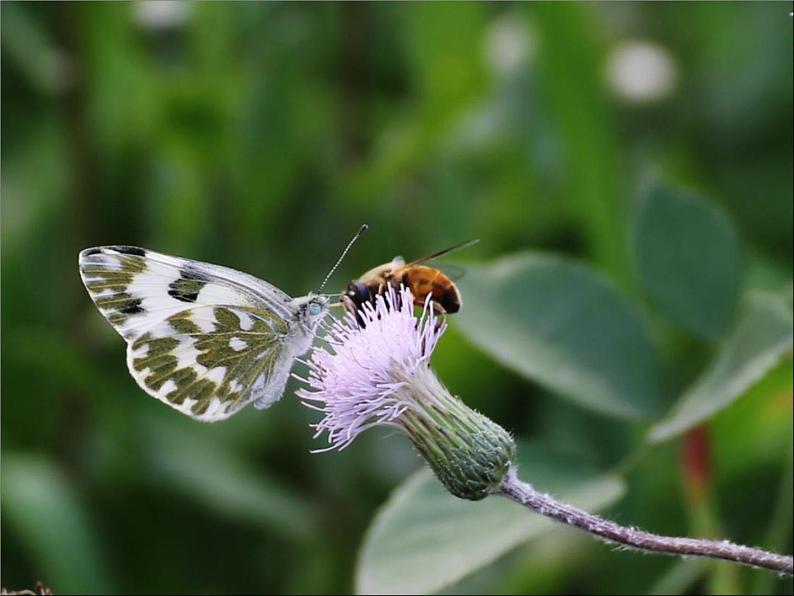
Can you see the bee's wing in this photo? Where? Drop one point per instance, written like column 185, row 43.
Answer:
column 135, row 288
column 210, row 361
column 453, row 272
column 446, row 251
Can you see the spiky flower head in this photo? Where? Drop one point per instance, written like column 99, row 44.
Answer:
column 375, row 371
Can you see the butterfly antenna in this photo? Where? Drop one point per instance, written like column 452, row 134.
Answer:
column 361, row 230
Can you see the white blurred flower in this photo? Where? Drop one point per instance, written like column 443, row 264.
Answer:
column 162, row 14
column 641, row 71
column 509, row 45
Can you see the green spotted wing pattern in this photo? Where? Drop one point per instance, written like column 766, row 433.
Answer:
column 210, row 361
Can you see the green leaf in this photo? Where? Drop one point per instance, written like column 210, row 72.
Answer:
column 30, row 49
column 687, row 257
column 560, row 324
column 424, row 539
column 761, row 338
column 42, row 509
column 681, row 576
column 570, row 86
column 209, row 473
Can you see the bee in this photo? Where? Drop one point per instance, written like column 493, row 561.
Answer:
column 422, row 280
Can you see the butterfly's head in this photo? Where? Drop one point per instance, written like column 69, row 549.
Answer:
column 313, row 308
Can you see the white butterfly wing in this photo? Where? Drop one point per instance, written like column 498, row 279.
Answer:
column 204, row 339
column 135, row 288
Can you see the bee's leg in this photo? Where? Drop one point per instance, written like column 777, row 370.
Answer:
column 349, row 305
column 441, row 313
column 351, row 308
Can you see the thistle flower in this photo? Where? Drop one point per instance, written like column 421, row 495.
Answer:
column 377, row 373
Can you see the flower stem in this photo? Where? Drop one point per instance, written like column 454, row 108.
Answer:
column 523, row 493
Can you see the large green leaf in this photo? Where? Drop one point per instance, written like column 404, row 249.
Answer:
column 759, row 340
column 560, row 324
column 424, row 539
column 688, row 259
column 45, row 513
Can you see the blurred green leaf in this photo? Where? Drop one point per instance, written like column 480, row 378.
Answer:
column 761, row 338
column 570, row 79
column 42, row 348
column 560, row 324
column 447, row 79
column 33, row 182
column 777, row 534
column 209, row 473
column 757, row 429
column 424, row 539
column 681, row 576
column 688, row 259
column 33, row 52
column 43, row 509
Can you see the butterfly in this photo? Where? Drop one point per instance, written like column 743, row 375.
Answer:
column 204, row 339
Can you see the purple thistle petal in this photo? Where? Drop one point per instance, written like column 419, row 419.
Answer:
column 362, row 377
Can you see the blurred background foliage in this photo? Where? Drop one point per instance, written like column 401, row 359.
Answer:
column 628, row 168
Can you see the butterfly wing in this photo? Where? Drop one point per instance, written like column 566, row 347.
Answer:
column 135, row 288
column 204, row 339
column 210, row 361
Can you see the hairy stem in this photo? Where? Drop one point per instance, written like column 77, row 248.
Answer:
column 523, row 493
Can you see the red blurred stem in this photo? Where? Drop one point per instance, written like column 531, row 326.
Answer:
column 696, row 464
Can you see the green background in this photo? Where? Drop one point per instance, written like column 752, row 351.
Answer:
column 260, row 136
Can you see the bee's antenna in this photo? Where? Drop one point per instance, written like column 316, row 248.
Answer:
column 361, row 230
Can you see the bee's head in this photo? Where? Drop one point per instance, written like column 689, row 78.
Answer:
column 358, row 294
